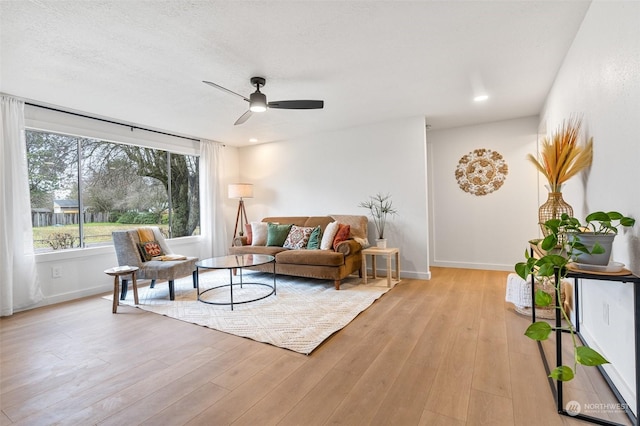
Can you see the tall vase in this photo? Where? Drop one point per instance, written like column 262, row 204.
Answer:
column 553, row 209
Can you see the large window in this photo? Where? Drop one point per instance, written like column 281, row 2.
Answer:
column 82, row 189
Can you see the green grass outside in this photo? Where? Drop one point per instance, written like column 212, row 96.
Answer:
column 94, row 234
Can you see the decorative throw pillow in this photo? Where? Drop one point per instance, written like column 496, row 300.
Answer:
column 247, row 233
column 258, row 234
column 149, row 250
column 328, row 236
column 315, row 238
column 341, row 235
column 298, row 237
column 277, row 234
column 358, row 226
column 146, row 234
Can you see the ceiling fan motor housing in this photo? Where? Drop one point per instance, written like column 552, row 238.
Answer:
column 258, row 102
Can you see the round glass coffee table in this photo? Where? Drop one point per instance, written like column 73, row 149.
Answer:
column 235, row 263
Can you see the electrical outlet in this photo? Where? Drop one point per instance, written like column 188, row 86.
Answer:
column 55, row 272
column 605, row 313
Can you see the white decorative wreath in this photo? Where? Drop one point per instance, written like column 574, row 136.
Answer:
column 481, row 172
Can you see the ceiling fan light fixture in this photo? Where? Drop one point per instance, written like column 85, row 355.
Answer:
column 258, row 102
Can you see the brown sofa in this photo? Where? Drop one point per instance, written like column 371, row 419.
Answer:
column 313, row 263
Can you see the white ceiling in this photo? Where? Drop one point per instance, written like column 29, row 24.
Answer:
column 143, row 62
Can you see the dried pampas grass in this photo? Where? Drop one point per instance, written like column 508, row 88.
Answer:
column 561, row 157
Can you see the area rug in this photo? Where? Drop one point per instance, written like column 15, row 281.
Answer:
column 299, row 317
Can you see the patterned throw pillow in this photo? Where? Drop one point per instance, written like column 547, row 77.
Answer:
column 315, row 238
column 298, row 237
column 276, row 234
column 149, row 250
column 341, row 235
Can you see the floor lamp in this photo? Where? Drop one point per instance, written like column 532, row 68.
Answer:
column 240, row 190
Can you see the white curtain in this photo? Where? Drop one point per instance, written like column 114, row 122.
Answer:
column 212, row 221
column 19, row 286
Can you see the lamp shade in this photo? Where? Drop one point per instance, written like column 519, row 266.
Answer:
column 240, row 190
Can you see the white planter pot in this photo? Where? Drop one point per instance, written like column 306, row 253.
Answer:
column 381, row 243
column 589, row 240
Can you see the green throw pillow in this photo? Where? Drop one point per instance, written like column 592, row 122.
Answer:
column 315, row 238
column 277, row 234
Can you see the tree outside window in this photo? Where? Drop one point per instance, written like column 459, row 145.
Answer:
column 83, row 189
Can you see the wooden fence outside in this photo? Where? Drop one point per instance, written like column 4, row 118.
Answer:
column 39, row 219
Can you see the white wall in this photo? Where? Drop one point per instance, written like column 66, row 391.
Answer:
column 489, row 231
column 82, row 270
column 331, row 173
column 600, row 79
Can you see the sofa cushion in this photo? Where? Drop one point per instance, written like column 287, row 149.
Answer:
column 310, row 257
column 258, row 234
column 358, row 225
column 247, row 229
column 315, row 238
column 277, row 234
column 341, row 235
column 321, row 221
column 298, row 237
column 328, row 236
column 271, row 251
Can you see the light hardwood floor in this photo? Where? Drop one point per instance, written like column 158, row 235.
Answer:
column 448, row 351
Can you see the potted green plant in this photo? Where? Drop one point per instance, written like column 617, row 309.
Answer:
column 379, row 206
column 591, row 242
column 553, row 264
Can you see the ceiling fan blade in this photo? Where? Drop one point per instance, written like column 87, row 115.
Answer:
column 224, row 89
column 244, row 117
column 300, row 104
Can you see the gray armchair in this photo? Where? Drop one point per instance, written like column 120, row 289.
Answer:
column 127, row 252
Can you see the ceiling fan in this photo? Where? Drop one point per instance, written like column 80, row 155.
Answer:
column 258, row 100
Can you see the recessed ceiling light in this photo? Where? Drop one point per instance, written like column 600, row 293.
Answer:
column 253, row 140
column 481, row 98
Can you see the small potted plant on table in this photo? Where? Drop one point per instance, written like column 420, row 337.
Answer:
column 380, row 206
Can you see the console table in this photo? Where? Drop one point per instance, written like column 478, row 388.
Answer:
column 556, row 385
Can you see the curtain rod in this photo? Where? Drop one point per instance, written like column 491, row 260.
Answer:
column 111, row 122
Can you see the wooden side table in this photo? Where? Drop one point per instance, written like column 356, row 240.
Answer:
column 118, row 272
column 388, row 252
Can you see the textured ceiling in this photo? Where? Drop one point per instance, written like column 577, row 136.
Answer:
column 143, row 62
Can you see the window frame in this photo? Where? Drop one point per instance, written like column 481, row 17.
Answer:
column 43, row 119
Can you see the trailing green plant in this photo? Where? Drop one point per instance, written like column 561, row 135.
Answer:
column 380, row 206
column 553, row 265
